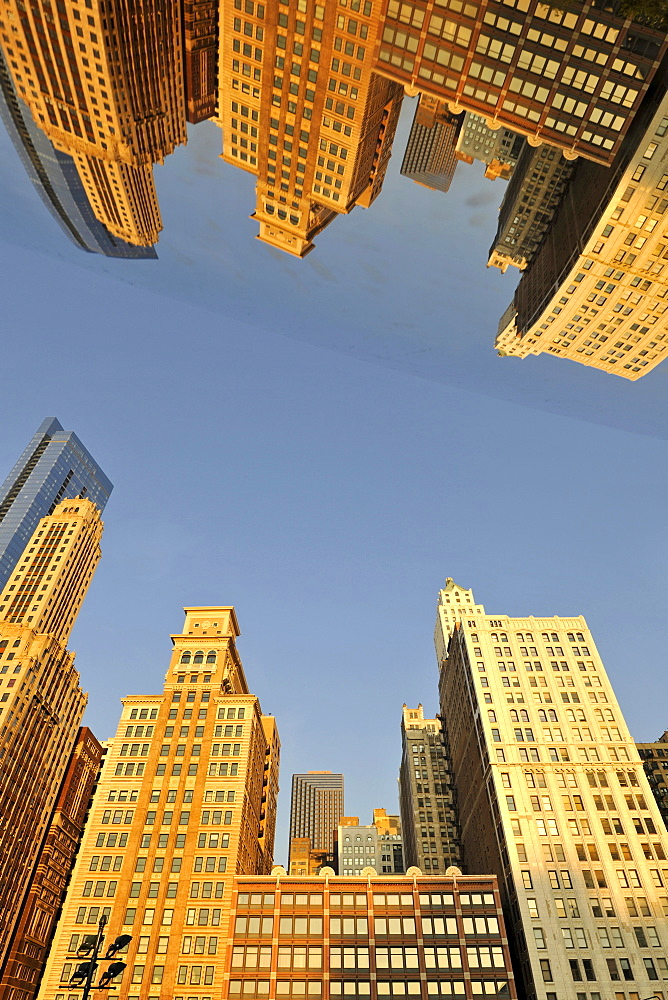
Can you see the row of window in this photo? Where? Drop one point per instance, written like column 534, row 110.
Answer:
column 260, row 926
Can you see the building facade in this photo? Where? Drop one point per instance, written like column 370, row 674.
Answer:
column 114, row 101
column 377, row 846
column 54, row 466
column 430, row 157
column 316, row 808
column 553, row 799
column 186, row 799
column 498, row 148
column 595, row 292
column 304, row 860
column 655, row 758
column 529, row 204
column 41, row 701
column 572, row 78
column 30, row 941
column 302, row 108
column 373, row 937
column 56, row 180
column 426, row 795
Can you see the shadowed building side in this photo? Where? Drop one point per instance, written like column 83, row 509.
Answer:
column 46, row 889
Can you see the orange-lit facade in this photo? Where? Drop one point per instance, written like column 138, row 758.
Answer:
column 30, row 941
column 41, row 702
column 370, row 937
column 200, row 32
column 573, row 78
column 302, row 108
column 106, row 87
column 186, row 800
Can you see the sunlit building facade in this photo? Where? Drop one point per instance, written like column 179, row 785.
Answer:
column 106, row 87
column 41, row 701
column 370, row 937
column 302, row 109
column 573, row 78
column 186, row 800
column 553, row 799
column 377, row 845
column 595, row 292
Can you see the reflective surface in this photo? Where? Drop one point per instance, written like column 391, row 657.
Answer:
column 565, row 112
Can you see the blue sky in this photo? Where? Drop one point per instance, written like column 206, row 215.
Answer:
column 321, row 443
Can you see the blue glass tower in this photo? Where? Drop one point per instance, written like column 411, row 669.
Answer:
column 54, row 467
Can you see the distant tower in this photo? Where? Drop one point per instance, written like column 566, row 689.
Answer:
column 426, row 797
column 316, row 808
column 186, row 800
column 430, row 158
column 41, row 702
column 55, row 466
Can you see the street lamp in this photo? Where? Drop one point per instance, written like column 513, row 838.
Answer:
column 90, row 948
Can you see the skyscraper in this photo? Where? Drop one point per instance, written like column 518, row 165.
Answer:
column 186, row 800
column 54, row 466
column 303, row 109
column 41, row 702
column 529, row 204
column 498, row 148
column 46, row 891
column 426, row 795
column 595, row 291
column 316, row 807
column 114, row 101
column 430, row 151
column 553, row 798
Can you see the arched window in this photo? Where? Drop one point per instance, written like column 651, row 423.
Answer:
column 211, row 656
column 542, row 715
column 198, row 657
column 185, row 657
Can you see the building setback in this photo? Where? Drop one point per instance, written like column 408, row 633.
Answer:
column 372, row 937
column 41, row 701
column 54, row 466
column 316, row 807
column 426, row 795
column 30, row 941
column 553, row 798
column 186, row 799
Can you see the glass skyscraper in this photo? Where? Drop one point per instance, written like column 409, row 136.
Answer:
column 54, row 466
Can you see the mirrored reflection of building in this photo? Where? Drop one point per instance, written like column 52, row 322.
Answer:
column 56, row 179
column 596, row 290
column 655, row 758
column 529, row 204
column 430, row 158
column 499, row 148
column 106, row 87
column 302, row 108
column 573, row 78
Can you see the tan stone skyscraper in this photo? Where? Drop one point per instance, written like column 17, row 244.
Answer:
column 302, row 108
column 186, row 800
column 104, row 80
column 553, row 799
column 41, row 702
